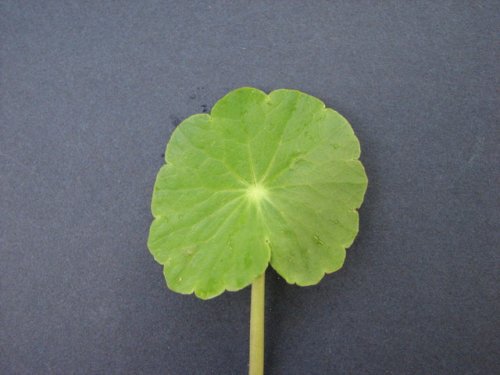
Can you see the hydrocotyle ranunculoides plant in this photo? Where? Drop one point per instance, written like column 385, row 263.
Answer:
column 261, row 180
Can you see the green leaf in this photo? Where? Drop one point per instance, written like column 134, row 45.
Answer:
column 262, row 179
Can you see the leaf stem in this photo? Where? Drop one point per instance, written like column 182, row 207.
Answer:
column 256, row 365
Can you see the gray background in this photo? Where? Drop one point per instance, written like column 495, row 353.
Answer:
column 91, row 91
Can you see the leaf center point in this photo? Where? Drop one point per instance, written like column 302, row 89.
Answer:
column 256, row 192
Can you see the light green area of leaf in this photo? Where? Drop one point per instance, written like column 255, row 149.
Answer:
column 262, row 179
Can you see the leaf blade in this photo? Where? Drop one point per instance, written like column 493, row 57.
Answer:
column 264, row 179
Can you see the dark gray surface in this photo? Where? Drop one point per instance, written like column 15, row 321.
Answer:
column 90, row 92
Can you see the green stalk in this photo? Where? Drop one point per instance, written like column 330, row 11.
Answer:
column 256, row 365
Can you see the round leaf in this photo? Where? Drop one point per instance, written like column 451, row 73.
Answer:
column 262, row 179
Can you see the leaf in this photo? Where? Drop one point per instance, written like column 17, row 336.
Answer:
column 262, row 179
